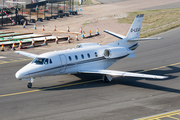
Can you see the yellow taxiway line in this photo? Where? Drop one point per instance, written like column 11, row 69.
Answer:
column 13, row 61
column 167, row 115
column 160, row 67
column 31, row 91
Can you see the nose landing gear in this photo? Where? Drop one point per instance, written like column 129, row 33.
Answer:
column 29, row 85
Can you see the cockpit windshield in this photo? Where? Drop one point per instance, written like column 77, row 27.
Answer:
column 38, row 61
column 41, row 61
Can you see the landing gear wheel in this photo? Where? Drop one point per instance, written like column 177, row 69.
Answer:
column 29, row 85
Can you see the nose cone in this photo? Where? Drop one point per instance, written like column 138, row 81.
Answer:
column 19, row 75
column 22, row 73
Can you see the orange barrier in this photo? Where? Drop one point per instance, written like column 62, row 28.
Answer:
column 20, row 46
column 68, row 29
column 56, row 41
column 77, row 37
column 33, row 43
column 55, row 28
column 43, row 28
column 45, row 41
column 69, row 39
column 13, row 46
column 81, row 30
column 2, row 47
column 90, row 32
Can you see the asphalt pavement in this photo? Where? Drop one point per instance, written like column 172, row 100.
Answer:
column 87, row 97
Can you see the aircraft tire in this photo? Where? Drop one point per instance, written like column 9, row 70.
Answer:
column 29, row 85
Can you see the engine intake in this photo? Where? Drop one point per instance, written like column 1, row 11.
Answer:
column 115, row 52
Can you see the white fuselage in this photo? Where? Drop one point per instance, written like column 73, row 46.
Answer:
column 90, row 57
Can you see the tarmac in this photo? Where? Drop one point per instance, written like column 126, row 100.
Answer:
column 87, row 97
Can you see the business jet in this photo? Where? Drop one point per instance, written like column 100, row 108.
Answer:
column 90, row 58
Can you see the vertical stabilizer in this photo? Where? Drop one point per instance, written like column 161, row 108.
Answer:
column 135, row 29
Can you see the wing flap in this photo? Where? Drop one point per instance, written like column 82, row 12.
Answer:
column 114, row 34
column 31, row 55
column 122, row 73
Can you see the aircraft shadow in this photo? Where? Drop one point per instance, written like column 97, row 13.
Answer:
column 94, row 80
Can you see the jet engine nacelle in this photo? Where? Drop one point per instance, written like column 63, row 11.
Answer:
column 115, row 52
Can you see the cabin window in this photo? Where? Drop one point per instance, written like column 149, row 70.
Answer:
column 38, row 61
column 70, row 58
column 88, row 55
column 96, row 54
column 50, row 61
column 76, row 57
column 82, row 56
column 46, row 62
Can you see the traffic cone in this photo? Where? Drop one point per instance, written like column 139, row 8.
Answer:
column 68, row 29
column 2, row 47
column 24, row 25
column 56, row 40
column 81, row 30
column 90, row 32
column 77, row 37
column 69, row 39
column 33, row 43
column 20, row 45
column 25, row 22
column 45, row 41
column 13, row 46
column 97, row 31
column 83, row 35
column 35, row 26
column 43, row 28
column 55, row 28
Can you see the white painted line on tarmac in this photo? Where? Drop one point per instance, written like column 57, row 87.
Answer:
column 2, row 57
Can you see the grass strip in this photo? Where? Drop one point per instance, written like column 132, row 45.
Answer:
column 155, row 21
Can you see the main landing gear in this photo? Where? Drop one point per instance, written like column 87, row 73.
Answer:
column 106, row 78
column 29, row 85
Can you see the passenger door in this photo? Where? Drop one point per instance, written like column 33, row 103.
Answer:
column 63, row 63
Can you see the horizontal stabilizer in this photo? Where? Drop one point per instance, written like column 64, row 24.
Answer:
column 114, row 34
column 143, row 39
column 122, row 73
column 31, row 55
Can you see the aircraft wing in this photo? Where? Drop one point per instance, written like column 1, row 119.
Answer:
column 114, row 34
column 31, row 55
column 122, row 73
column 144, row 39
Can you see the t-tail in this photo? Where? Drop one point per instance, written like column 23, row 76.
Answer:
column 131, row 39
